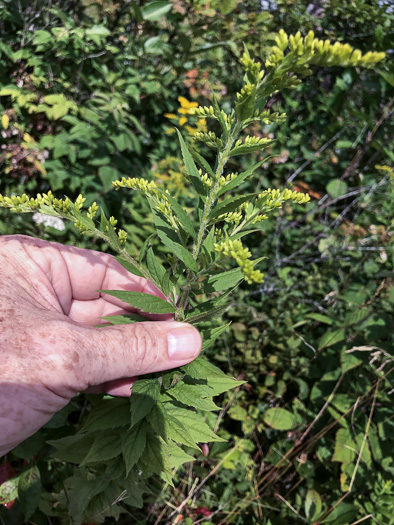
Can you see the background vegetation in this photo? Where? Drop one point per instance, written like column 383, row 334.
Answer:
column 90, row 92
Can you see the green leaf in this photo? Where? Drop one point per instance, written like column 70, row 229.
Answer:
column 209, row 336
column 313, row 505
column 223, row 281
column 220, row 117
column 72, row 448
column 171, row 241
column 244, row 109
column 124, row 319
column 183, row 217
column 176, row 430
column 133, row 445
column 107, row 414
column 194, row 423
column 349, row 361
column 229, row 205
column 197, row 396
column 177, row 456
column 202, row 162
column 212, row 313
column 105, row 446
column 143, row 396
column 343, row 514
column 336, row 188
column 108, row 229
column 155, row 10
column 249, row 148
column 330, row 338
column 143, row 301
column 345, row 448
column 281, row 419
column 320, row 318
column 29, row 491
column 191, row 169
column 129, row 266
column 155, row 268
column 240, row 178
column 166, row 283
column 215, row 378
column 9, row 490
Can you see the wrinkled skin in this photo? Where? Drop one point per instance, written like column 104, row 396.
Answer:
column 49, row 347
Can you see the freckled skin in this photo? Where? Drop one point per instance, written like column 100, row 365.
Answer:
column 49, row 348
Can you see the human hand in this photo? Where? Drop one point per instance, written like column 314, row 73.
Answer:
column 49, row 349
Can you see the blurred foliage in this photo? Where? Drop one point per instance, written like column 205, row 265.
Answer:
column 85, row 88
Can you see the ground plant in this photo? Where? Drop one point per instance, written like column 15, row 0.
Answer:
column 195, row 252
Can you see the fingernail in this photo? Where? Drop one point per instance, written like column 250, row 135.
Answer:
column 184, row 343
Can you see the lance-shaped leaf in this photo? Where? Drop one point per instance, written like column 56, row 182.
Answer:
column 107, row 228
column 240, row 178
column 190, row 166
column 249, row 148
column 106, row 446
column 223, row 281
column 129, row 266
column 215, row 378
column 229, row 205
column 210, row 335
column 142, row 301
column 124, row 319
column 133, row 445
column 155, row 268
column 220, row 117
column 209, row 309
column 202, row 162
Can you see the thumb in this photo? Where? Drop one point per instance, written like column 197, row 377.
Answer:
column 125, row 351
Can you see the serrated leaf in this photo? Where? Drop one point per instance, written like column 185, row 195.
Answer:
column 281, row 419
column 184, row 220
column 29, row 491
column 229, row 205
column 201, row 162
column 129, row 266
column 177, row 456
column 107, row 414
column 171, row 241
column 177, row 431
column 215, row 378
column 223, row 281
column 105, row 446
column 191, row 169
column 214, row 313
column 155, row 268
column 166, row 283
column 211, row 334
column 124, row 319
column 133, row 445
column 143, row 396
column 193, row 422
column 142, row 301
column 240, row 178
column 193, row 395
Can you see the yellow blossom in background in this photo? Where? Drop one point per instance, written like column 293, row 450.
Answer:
column 180, row 118
column 185, row 104
column 5, row 119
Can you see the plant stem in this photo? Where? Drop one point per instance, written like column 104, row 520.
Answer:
column 223, row 158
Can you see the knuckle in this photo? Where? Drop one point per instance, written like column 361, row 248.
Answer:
column 144, row 345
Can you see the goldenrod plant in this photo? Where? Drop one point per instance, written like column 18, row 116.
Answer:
column 169, row 410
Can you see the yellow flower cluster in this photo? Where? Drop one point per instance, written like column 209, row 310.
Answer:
column 149, row 188
column 242, row 255
column 223, row 180
column 274, row 198
column 187, row 108
column 23, row 203
column 210, row 139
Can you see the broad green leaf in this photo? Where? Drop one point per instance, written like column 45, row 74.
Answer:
column 155, row 268
column 223, row 281
column 210, row 335
column 313, row 505
column 240, row 178
column 330, row 338
column 181, row 214
column 106, row 446
column 215, row 378
column 107, row 414
column 349, row 361
column 143, row 301
column 191, row 169
column 193, row 422
column 197, row 396
column 229, row 205
column 345, row 448
column 177, row 431
column 177, row 456
column 29, row 491
column 72, row 448
column 9, row 490
column 143, row 396
column 124, row 319
column 281, row 419
column 336, row 188
column 133, row 445
column 155, row 10
column 343, row 514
